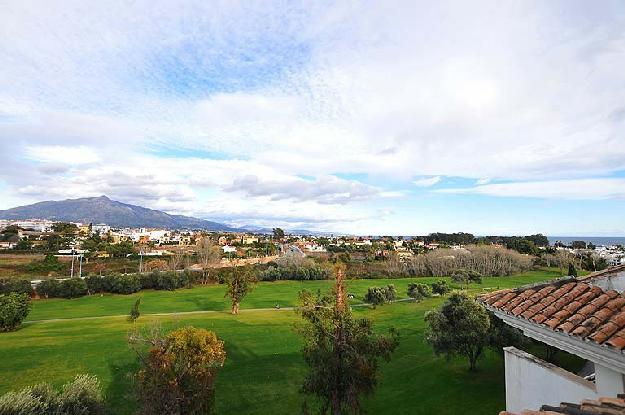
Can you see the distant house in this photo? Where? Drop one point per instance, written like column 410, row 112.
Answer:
column 584, row 317
column 7, row 245
column 227, row 249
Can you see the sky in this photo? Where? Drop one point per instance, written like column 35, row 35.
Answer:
column 394, row 117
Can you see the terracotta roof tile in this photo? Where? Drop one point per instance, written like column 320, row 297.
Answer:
column 571, row 306
column 601, row 406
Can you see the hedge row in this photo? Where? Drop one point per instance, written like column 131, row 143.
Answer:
column 116, row 284
column 294, row 273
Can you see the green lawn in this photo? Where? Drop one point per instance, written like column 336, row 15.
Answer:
column 264, row 369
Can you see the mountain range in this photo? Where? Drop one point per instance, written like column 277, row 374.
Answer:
column 116, row 214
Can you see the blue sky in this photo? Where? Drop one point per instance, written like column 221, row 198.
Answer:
column 362, row 117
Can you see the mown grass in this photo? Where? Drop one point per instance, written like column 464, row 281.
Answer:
column 264, row 369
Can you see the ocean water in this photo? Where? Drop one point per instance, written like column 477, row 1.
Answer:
column 597, row 240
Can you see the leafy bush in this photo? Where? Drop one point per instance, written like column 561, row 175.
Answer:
column 72, row 288
column 440, row 287
column 49, row 264
column 380, row 295
column 48, row 288
column 14, row 308
column 122, row 284
column 15, row 286
column 464, row 276
column 82, row 396
column 178, row 372
column 313, row 272
column 95, row 284
column 167, row 281
column 418, row 291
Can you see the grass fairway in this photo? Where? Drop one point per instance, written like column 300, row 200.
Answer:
column 264, row 368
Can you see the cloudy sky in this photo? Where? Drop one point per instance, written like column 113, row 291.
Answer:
column 393, row 117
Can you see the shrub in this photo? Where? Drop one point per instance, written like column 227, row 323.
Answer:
column 167, row 281
column 313, row 272
column 440, row 287
column 14, row 308
column 464, row 276
column 122, row 284
column 49, row 264
column 380, row 295
column 15, row 286
column 48, row 288
column 95, row 284
column 418, row 291
column 72, row 288
column 178, row 372
column 82, row 396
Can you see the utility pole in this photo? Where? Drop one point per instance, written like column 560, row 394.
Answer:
column 140, row 261
column 80, row 266
column 71, row 275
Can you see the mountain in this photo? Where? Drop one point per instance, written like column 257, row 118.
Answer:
column 104, row 210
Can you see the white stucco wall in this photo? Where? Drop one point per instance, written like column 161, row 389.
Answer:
column 607, row 282
column 532, row 382
column 609, row 381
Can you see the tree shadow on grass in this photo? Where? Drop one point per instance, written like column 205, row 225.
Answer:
column 120, row 392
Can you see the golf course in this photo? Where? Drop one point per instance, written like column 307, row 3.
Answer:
column 264, row 367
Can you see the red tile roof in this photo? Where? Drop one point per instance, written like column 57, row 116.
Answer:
column 601, row 406
column 570, row 306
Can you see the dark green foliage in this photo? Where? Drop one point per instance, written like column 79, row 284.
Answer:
column 459, row 327
column 83, row 396
column 72, row 288
column 49, row 264
column 121, row 284
column 239, row 283
column 464, row 276
column 69, row 288
column 440, row 287
column 95, row 284
column 342, row 354
column 380, row 295
column 134, row 311
column 23, row 245
column 15, row 286
column 501, row 335
column 418, row 291
column 48, row 288
column 572, row 270
column 314, row 272
column 14, row 308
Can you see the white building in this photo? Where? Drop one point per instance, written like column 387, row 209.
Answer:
column 585, row 317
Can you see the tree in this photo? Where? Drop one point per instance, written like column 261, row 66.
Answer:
column 440, row 287
column 208, row 255
column 23, row 245
column 14, row 308
column 459, row 327
column 278, row 233
column 501, row 335
column 178, row 371
column 342, row 353
column 239, row 283
column 572, row 270
column 418, row 291
column 380, row 295
column 578, row 244
column 134, row 311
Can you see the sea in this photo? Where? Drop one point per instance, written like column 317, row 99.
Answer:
column 596, row 240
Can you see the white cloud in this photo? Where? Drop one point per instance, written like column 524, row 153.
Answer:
column 578, row 189
column 62, row 154
column 419, row 89
column 427, row 181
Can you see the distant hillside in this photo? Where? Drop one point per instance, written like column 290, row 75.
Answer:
column 104, row 210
